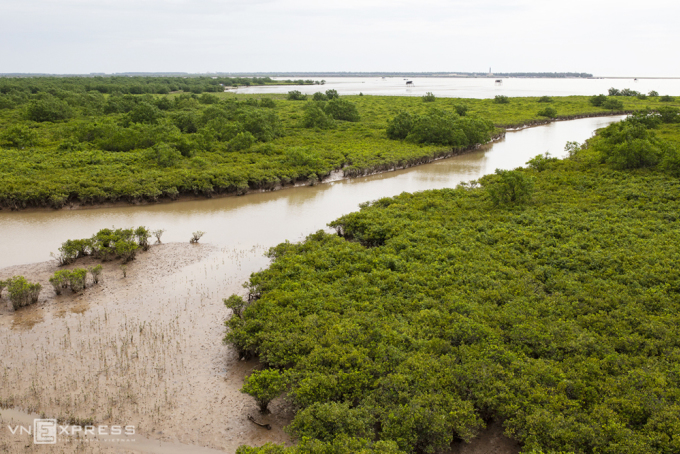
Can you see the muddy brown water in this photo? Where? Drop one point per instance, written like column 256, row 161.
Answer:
column 146, row 350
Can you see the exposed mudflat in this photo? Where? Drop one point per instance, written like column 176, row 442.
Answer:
column 145, row 350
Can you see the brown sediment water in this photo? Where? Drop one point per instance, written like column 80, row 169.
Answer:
column 146, row 350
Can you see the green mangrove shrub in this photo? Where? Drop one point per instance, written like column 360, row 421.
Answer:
column 315, row 116
column 95, row 272
column 501, row 99
column 342, row 109
column 264, row 386
column 296, row 95
column 548, row 112
column 60, row 280
column 508, row 187
column 429, row 97
column 22, row 292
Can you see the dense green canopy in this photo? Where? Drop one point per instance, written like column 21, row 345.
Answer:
column 437, row 312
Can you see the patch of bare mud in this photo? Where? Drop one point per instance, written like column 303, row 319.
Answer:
column 145, row 350
column 489, row 441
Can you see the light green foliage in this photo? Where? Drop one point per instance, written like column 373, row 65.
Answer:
column 95, row 272
column 265, row 385
column 100, row 155
column 549, row 112
column 158, row 234
column 60, row 280
column 435, row 312
column 22, row 292
column 142, row 234
column 429, row 97
column 509, row 187
column 77, row 279
column 19, row 136
column 326, row 421
column 3, row 284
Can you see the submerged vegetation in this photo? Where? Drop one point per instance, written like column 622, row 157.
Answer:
column 96, row 140
column 546, row 298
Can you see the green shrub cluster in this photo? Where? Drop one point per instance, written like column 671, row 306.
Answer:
column 75, row 279
column 115, row 145
column 437, row 312
column 107, row 244
column 440, row 127
column 21, row 292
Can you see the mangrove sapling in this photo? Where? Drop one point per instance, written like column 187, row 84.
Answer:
column 95, row 272
column 158, row 234
column 124, row 268
column 60, row 280
column 21, row 292
column 236, row 304
column 265, row 386
column 143, row 234
column 429, row 97
column 196, row 236
column 77, row 279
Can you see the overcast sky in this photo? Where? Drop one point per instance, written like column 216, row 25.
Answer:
column 613, row 38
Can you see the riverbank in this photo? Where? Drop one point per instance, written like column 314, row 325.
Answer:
column 147, row 149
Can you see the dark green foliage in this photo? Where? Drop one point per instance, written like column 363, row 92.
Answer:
column 22, row 292
column 315, row 117
column 400, row 126
column 318, row 96
column 629, row 145
column 77, row 279
column 242, row 141
column 48, row 109
column 559, row 318
column 429, row 97
column 60, row 280
column 437, row 126
column 142, row 234
column 501, row 99
column 264, row 386
column 549, row 112
column 545, row 99
column 342, row 109
column 509, row 187
column 145, row 113
column 95, row 272
column 268, row 103
column 461, row 109
column 598, row 100
column 296, row 95
column 666, row 98
column 653, row 93
column 165, row 155
column 106, row 244
column 612, row 104
column 332, row 94
column 669, row 114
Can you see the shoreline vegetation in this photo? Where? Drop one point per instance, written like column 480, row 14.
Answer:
column 94, row 141
column 544, row 299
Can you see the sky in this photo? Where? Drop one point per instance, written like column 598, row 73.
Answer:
column 602, row 37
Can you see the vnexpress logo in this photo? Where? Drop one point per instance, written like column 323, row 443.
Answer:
column 45, row 431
